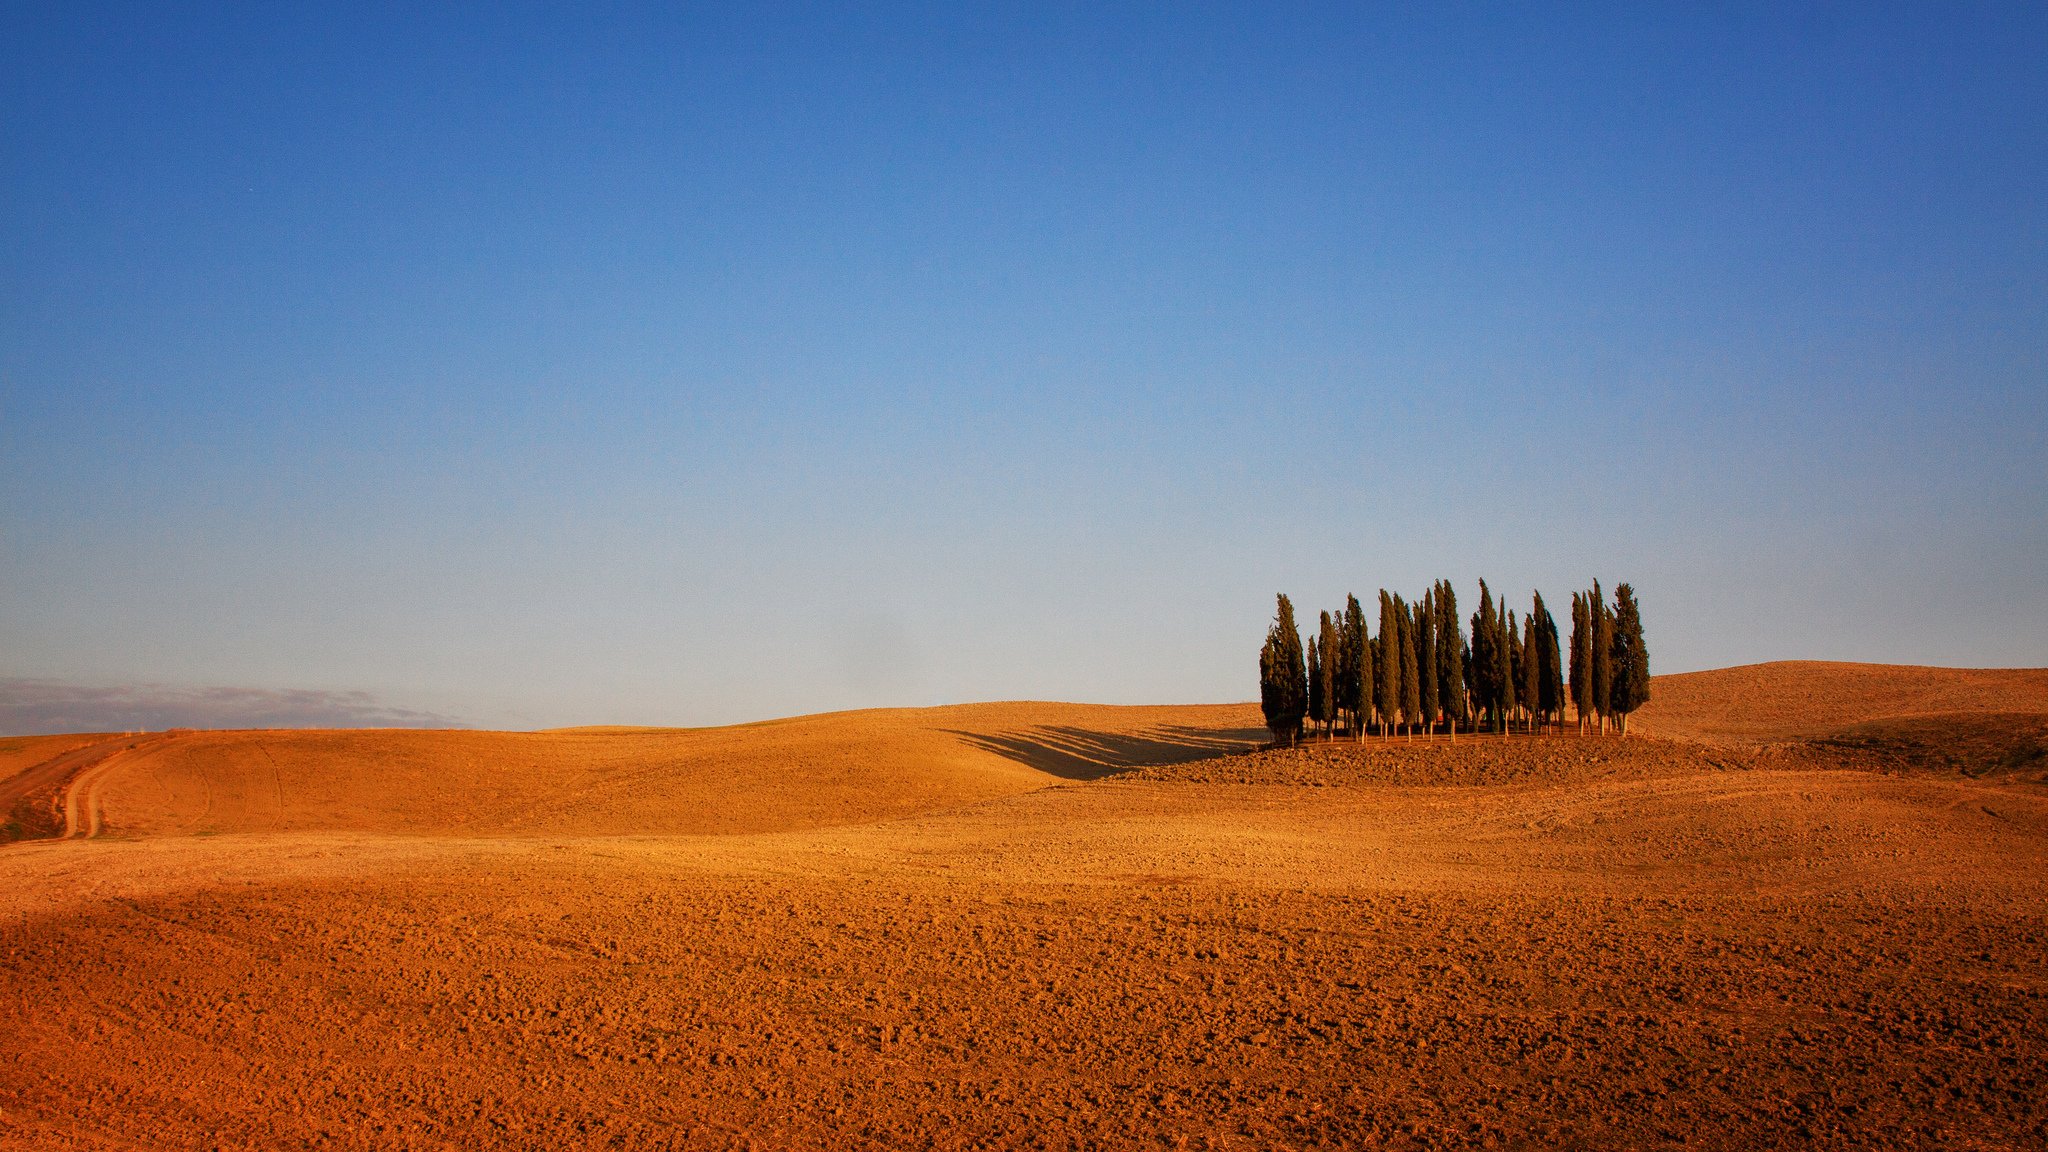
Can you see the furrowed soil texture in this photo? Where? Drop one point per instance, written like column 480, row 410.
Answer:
column 1049, row 926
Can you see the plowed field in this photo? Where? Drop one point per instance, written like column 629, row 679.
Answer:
column 1053, row 926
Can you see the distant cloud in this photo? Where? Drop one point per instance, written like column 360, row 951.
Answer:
column 46, row 706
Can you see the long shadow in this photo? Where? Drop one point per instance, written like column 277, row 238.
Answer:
column 1081, row 754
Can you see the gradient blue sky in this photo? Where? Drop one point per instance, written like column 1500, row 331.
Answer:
column 544, row 366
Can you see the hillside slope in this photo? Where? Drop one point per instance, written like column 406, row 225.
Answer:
column 1805, row 699
column 839, row 768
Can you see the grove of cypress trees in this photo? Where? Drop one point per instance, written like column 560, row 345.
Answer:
column 1603, row 655
column 1631, row 659
column 1389, row 663
column 1425, row 659
column 1283, row 681
column 1450, row 662
column 1411, row 688
column 1352, row 693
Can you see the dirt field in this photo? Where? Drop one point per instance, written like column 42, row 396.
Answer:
column 1051, row 926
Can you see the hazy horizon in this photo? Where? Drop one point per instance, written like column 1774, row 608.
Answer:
column 545, row 369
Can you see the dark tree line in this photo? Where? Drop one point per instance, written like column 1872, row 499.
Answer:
column 1423, row 670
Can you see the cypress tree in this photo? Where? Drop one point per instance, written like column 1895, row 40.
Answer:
column 1582, row 660
column 1390, row 662
column 1315, row 684
column 1351, row 688
column 1532, row 672
column 1603, row 655
column 1368, row 680
column 1550, row 674
column 1425, row 659
column 1471, row 688
column 1450, row 667
column 1504, row 669
column 1378, row 661
column 1411, row 687
column 1513, row 694
column 1484, row 663
column 1333, row 664
column 1283, row 681
column 1631, row 658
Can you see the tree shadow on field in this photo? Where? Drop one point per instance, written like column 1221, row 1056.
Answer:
column 1081, row 754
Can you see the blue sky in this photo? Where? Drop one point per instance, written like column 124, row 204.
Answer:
column 536, row 366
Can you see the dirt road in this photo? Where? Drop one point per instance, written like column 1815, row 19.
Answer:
column 39, row 793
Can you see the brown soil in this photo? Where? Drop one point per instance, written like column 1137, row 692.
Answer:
column 966, row 927
column 34, row 774
column 1798, row 699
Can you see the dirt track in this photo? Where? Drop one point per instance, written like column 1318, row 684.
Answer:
column 1537, row 942
column 46, row 793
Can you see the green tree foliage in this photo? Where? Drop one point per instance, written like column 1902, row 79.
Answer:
column 1513, row 639
column 1375, row 661
column 1353, row 695
column 1411, row 688
column 1532, row 671
column 1316, row 715
column 1603, row 655
column 1332, row 638
column 1486, row 678
column 1631, row 659
column 1389, row 662
column 1582, row 660
column 1550, row 673
column 1283, row 680
column 1425, row 660
column 1450, row 661
column 1423, row 669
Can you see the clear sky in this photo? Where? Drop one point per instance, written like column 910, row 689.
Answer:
column 612, row 363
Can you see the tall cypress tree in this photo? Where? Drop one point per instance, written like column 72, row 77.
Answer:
column 1532, row 672
column 1504, row 669
column 1582, row 660
column 1450, row 666
column 1283, row 681
column 1332, row 638
column 1368, row 676
column 1485, row 664
column 1378, row 661
column 1425, row 659
column 1631, row 658
column 1603, row 655
column 1472, row 706
column 1315, row 684
column 1513, row 695
column 1550, row 674
column 1351, row 687
column 1411, row 688
column 1390, row 662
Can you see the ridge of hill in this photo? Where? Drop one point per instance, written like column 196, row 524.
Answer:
column 1797, row 700
column 871, row 765
column 776, row 775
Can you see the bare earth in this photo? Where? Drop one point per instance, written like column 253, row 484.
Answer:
column 1801, row 905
